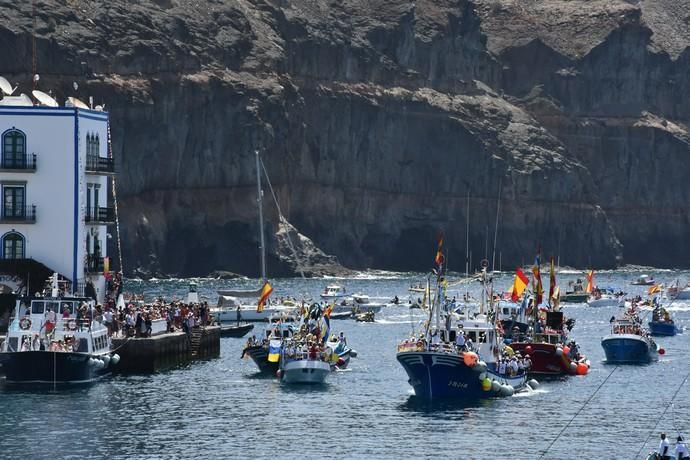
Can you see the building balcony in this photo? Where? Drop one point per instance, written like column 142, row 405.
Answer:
column 100, row 166
column 23, row 164
column 18, row 215
column 100, row 216
column 94, row 264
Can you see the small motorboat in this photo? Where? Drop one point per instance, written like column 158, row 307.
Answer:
column 366, row 317
column 605, row 297
column 235, row 331
column 333, row 291
column 662, row 323
column 341, row 315
column 303, row 362
column 644, row 280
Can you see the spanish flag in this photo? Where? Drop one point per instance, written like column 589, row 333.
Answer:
column 438, row 260
column 655, row 289
column 265, row 292
column 590, row 282
column 519, row 285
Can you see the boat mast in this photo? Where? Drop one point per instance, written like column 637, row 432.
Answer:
column 467, row 243
column 259, row 201
column 498, row 208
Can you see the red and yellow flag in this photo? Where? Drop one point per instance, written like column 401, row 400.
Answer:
column 590, row 282
column 654, row 289
column 438, row 260
column 329, row 309
column 265, row 292
column 519, row 285
column 538, row 289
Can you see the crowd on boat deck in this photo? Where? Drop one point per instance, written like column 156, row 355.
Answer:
column 681, row 449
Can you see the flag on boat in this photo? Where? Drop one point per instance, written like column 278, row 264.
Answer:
column 274, row 351
column 327, row 330
column 552, row 280
column 519, row 285
column 556, row 299
column 329, row 309
column 265, row 292
column 438, row 260
column 538, row 289
column 525, row 300
column 590, row 282
column 655, row 289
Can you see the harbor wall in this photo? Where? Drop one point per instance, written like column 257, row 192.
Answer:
column 165, row 351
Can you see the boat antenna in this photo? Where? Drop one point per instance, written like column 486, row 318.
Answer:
column 259, row 201
column 283, row 221
column 498, row 209
column 33, row 43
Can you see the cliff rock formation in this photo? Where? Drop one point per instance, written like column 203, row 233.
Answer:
column 375, row 120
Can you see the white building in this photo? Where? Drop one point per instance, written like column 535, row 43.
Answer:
column 54, row 169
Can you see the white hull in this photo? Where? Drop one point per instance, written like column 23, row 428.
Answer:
column 250, row 313
column 306, row 371
column 606, row 302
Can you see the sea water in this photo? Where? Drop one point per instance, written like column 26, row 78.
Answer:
column 222, row 409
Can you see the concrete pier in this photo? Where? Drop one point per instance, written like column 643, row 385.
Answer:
column 165, row 351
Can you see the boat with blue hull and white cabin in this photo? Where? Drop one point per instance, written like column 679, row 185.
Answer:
column 629, row 342
column 662, row 324
column 438, row 368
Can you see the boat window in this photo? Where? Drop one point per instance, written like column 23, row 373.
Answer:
column 67, row 306
column 505, row 310
column 37, row 307
column 53, row 306
column 472, row 335
column 83, row 346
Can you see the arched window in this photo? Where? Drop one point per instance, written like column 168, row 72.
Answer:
column 97, row 146
column 89, row 143
column 13, row 148
column 12, row 246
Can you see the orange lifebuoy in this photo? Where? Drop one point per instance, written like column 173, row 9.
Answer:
column 25, row 323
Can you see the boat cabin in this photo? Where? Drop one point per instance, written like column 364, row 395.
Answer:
column 333, row 290
column 51, row 324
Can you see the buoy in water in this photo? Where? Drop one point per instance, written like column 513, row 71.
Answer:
column 582, row 369
column 115, row 359
column 495, row 386
column 486, row 384
column 662, row 351
column 533, row 384
column 507, row 390
column 470, row 358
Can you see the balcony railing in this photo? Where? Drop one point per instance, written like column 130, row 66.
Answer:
column 17, row 214
column 100, row 215
column 23, row 163
column 94, row 264
column 99, row 165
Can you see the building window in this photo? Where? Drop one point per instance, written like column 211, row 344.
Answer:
column 12, row 246
column 13, row 149
column 13, row 201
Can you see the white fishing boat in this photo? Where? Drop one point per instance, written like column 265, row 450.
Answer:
column 605, row 298
column 644, row 280
column 334, row 291
column 305, row 370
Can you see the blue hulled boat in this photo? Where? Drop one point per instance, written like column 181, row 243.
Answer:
column 629, row 342
column 662, row 323
column 439, row 366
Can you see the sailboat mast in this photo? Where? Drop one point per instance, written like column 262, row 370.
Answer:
column 467, row 238
column 260, row 203
column 498, row 208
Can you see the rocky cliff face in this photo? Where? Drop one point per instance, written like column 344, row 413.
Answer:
column 375, row 120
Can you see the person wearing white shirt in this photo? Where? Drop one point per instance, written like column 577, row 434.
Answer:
column 460, row 340
column 664, row 448
column 681, row 449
